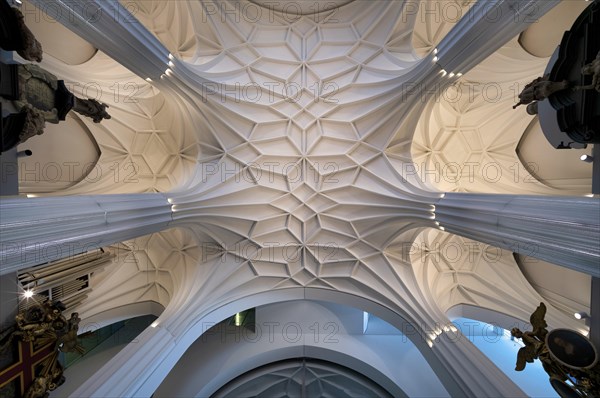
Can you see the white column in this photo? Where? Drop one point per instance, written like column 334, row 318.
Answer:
column 561, row 230
column 471, row 369
column 38, row 230
column 484, row 28
column 113, row 29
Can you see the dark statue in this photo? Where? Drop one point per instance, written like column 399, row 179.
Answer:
column 91, row 108
column 571, row 118
column 31, row 49
column 37, row 94
column 43, row 98
column 585, row 382
column 593, row 69
column 16, row 36
column 540, row 89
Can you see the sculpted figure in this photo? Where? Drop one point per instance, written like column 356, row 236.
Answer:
column 32, row 49
column 534, row 340
column 91, row 108
column 68, row 341
column 43, row 98
column 45, row 324
column 540, row 89
column 593, row 68
column 16, row 36
column 38, row 389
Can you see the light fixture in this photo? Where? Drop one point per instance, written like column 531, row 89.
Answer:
column 444, row 73
column 435, row 59
column 587, row 158
column 149, row 80
column 458, row 74
column 28, row 294
column 581, row 315
column 154, row 324
column 435, row 51
column 451, row 74
column 238, row 319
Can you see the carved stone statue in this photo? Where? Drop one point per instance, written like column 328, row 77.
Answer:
column 593, row 68
column 32, row 49
column 43, row 98
column 91, row 108
column 16, row 36
column 540, row 89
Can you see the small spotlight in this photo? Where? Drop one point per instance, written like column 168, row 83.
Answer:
column 149, row 80
column 28, row 294
column 444, row 73
column 458, row 74
column 587, row 158
column 154, row 324
column 435, row 51
column 435, row 59
column 581, row 315
column 451, row 74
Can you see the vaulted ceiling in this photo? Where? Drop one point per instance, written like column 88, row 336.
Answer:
column 295, row 159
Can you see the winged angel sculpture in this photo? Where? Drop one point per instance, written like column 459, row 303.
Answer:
column 535, row 344
column 586, row 382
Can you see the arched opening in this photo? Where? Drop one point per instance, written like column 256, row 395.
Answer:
column 301, row 329
column 542, row 37
column 559, row 169
column 66, row 154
